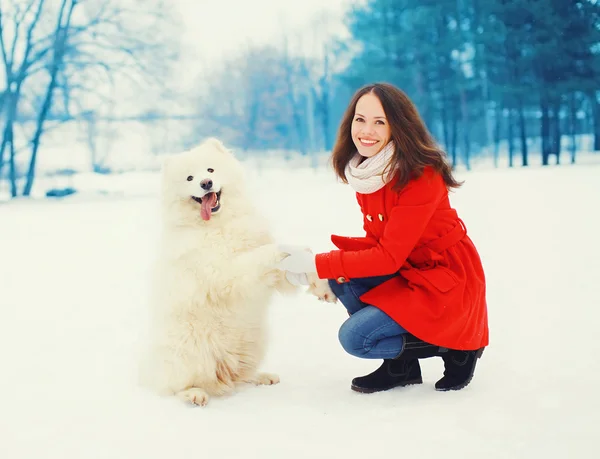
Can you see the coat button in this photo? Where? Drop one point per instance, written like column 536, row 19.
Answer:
column 341, row 280
column 380, row 217
column 369, row 218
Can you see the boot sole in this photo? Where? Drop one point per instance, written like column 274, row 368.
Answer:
column 468, row 381
column 364, row 390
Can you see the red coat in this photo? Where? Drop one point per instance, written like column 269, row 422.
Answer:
column 439, row 295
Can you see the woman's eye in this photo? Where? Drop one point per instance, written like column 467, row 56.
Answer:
column 190, row 178
column 210, row 169
column 358, row 119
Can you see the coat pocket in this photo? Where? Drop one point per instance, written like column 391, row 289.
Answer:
column 439, row 277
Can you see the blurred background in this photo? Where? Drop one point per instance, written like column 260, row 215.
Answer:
column 108, row 86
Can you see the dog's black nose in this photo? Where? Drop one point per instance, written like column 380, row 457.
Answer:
column 206, row 184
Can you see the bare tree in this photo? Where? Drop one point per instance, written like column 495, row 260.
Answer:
column 58, row 51
column 79, row 56
column 296, row 88
column 321, row 59
column 16, row 17
column 249, row 102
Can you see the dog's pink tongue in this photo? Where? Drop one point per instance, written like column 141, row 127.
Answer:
column 208, row 202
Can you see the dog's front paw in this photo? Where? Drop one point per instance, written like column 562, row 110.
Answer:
column 320, row 288
column 274, row 277
column 268, row 255
column 194, row 395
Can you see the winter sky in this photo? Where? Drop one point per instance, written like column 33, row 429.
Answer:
column 217, row 27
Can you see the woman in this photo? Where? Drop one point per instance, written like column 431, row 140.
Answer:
column 414, row 285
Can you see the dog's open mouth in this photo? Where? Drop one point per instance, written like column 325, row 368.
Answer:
column 210, row 203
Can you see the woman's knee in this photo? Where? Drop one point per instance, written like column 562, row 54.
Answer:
column 353, row 341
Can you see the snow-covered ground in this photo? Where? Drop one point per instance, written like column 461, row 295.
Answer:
column 73, row 293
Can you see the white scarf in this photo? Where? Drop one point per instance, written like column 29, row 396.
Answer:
column 368, row 176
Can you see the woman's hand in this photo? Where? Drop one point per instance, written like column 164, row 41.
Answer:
column 299, row 260
column 300, row 269
column 297, row 279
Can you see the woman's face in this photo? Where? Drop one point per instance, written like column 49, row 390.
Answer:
column 370, row 128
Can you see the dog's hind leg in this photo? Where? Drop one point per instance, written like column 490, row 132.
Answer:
column 250, row 375
column 194, row 395
column 200, row 395
column 263, row 379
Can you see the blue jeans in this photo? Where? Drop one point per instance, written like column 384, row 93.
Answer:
column 369, row 332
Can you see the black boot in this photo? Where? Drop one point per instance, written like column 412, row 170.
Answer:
column 459, row 367
column 392, row 373
column 415, row 348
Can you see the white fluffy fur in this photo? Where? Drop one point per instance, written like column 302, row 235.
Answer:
column 320, row 288
column 213, row 282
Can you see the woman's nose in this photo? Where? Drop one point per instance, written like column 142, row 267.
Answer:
column 368, row 128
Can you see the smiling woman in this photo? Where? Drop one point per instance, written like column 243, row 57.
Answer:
column 370, row 129
column 413, row 285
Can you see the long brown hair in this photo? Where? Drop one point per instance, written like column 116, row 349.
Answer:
column 414, row 145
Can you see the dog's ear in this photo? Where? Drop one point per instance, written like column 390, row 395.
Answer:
column 216, row 143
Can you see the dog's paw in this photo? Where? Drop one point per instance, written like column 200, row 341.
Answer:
column 264, row 379
column 273, row 254
column 320, row 288
column 194, row 395
column 274, row 277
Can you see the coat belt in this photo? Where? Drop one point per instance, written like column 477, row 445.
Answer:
column 433, row 249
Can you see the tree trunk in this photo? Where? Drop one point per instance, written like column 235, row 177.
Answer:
column 510, row 138
column 60, row 43
column 325, row 122
column 466, row 127
column 11, row 114
column 324, row 82
column 497, row 131
column 14, row 82
column 7, row 142
column 573, row 125
column 322, row 110
column 445, row 128
column 454, row 135
column 12, row 170
column 297, row 119
column 596, row 115
column 545, row 130
column 295, row 103
column 39, row 130
column 556, row 131
column 422, row 90
column 523, row 133
column 4, row 144
column 3, row 98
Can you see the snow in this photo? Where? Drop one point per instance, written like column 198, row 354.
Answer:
column 74, row 282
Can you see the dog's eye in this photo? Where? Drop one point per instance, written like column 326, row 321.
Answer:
column 190, row 178
column 210, row 169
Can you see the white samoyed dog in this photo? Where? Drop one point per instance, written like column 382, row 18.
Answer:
column 214, row 278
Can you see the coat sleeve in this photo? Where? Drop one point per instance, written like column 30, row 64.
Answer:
column 408, row 219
